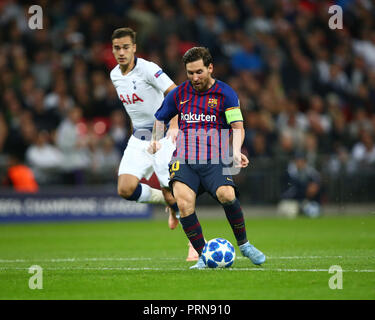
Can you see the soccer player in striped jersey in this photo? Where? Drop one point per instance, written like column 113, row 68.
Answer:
column 141, row 86
column 209, row 113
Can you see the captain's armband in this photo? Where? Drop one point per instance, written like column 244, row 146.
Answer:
column 233, row 114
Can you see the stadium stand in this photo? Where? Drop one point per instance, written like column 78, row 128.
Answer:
column 302, row 86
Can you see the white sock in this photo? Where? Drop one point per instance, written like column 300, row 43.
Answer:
column 145, row 194
column 151, row 195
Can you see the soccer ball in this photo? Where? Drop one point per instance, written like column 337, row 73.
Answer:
column 311, row 209
column 218, row 253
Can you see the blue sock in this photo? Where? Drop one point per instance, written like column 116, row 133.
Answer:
column 193, row 231
column 136, row 194
column 235, row 217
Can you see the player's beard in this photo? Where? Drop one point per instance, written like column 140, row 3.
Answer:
column 203, row 85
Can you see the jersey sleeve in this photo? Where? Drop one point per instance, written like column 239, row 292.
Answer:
column 232, row 106
column 168, row 108
column 156, row 77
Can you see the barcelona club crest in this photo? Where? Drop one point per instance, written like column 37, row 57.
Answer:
column 212, row 103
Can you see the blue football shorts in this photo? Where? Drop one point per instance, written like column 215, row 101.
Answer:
column 201, row 177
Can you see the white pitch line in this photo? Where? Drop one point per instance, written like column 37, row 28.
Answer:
column 74, row 260
column 166, row 258
column 186, row 269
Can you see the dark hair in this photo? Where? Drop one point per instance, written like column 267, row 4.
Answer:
column 124, row 32
column 197, row 53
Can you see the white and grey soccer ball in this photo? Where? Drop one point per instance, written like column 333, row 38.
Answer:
column 218, row 253
column 311, row 209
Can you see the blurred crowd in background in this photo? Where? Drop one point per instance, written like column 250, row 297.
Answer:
column 303, row 86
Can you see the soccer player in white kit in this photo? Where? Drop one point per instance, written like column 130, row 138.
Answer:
column 141, row 86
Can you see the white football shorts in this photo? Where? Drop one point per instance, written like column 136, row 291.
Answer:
column 138, row 162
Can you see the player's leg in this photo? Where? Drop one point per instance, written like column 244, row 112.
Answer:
column 222, row 188
column 172, row 209
column 161, row 167
column 231, row 205
column 129, row 188
column 233, row 211
column 185, row 197
column 174, row 218
column 134, row 166
column 185, row 181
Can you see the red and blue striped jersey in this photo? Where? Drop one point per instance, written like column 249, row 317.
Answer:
column 203, row 128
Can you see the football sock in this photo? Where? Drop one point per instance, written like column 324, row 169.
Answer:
column 142, row 193
column 136, row 194
column 235, row 217
column 146, row 193
column 193, row 231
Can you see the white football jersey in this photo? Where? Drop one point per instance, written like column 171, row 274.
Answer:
column 141, row 91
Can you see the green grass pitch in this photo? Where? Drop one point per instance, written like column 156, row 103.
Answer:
column 142, row 260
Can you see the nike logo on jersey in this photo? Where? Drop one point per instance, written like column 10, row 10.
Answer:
column 229, row 179
column 182, row 102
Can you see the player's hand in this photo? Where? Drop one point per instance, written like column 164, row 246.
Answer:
column 240, row 160
column 154, row 147
column 172, row 133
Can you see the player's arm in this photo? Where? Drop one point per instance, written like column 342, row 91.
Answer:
column 169, row 89
column 235, row 120
column 173, row 129
column 157, row 134
column 173, row 124
column 238, row 137
column 165, row 113
column 158, row 130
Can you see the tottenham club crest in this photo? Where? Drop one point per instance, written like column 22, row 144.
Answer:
column 212, row 103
